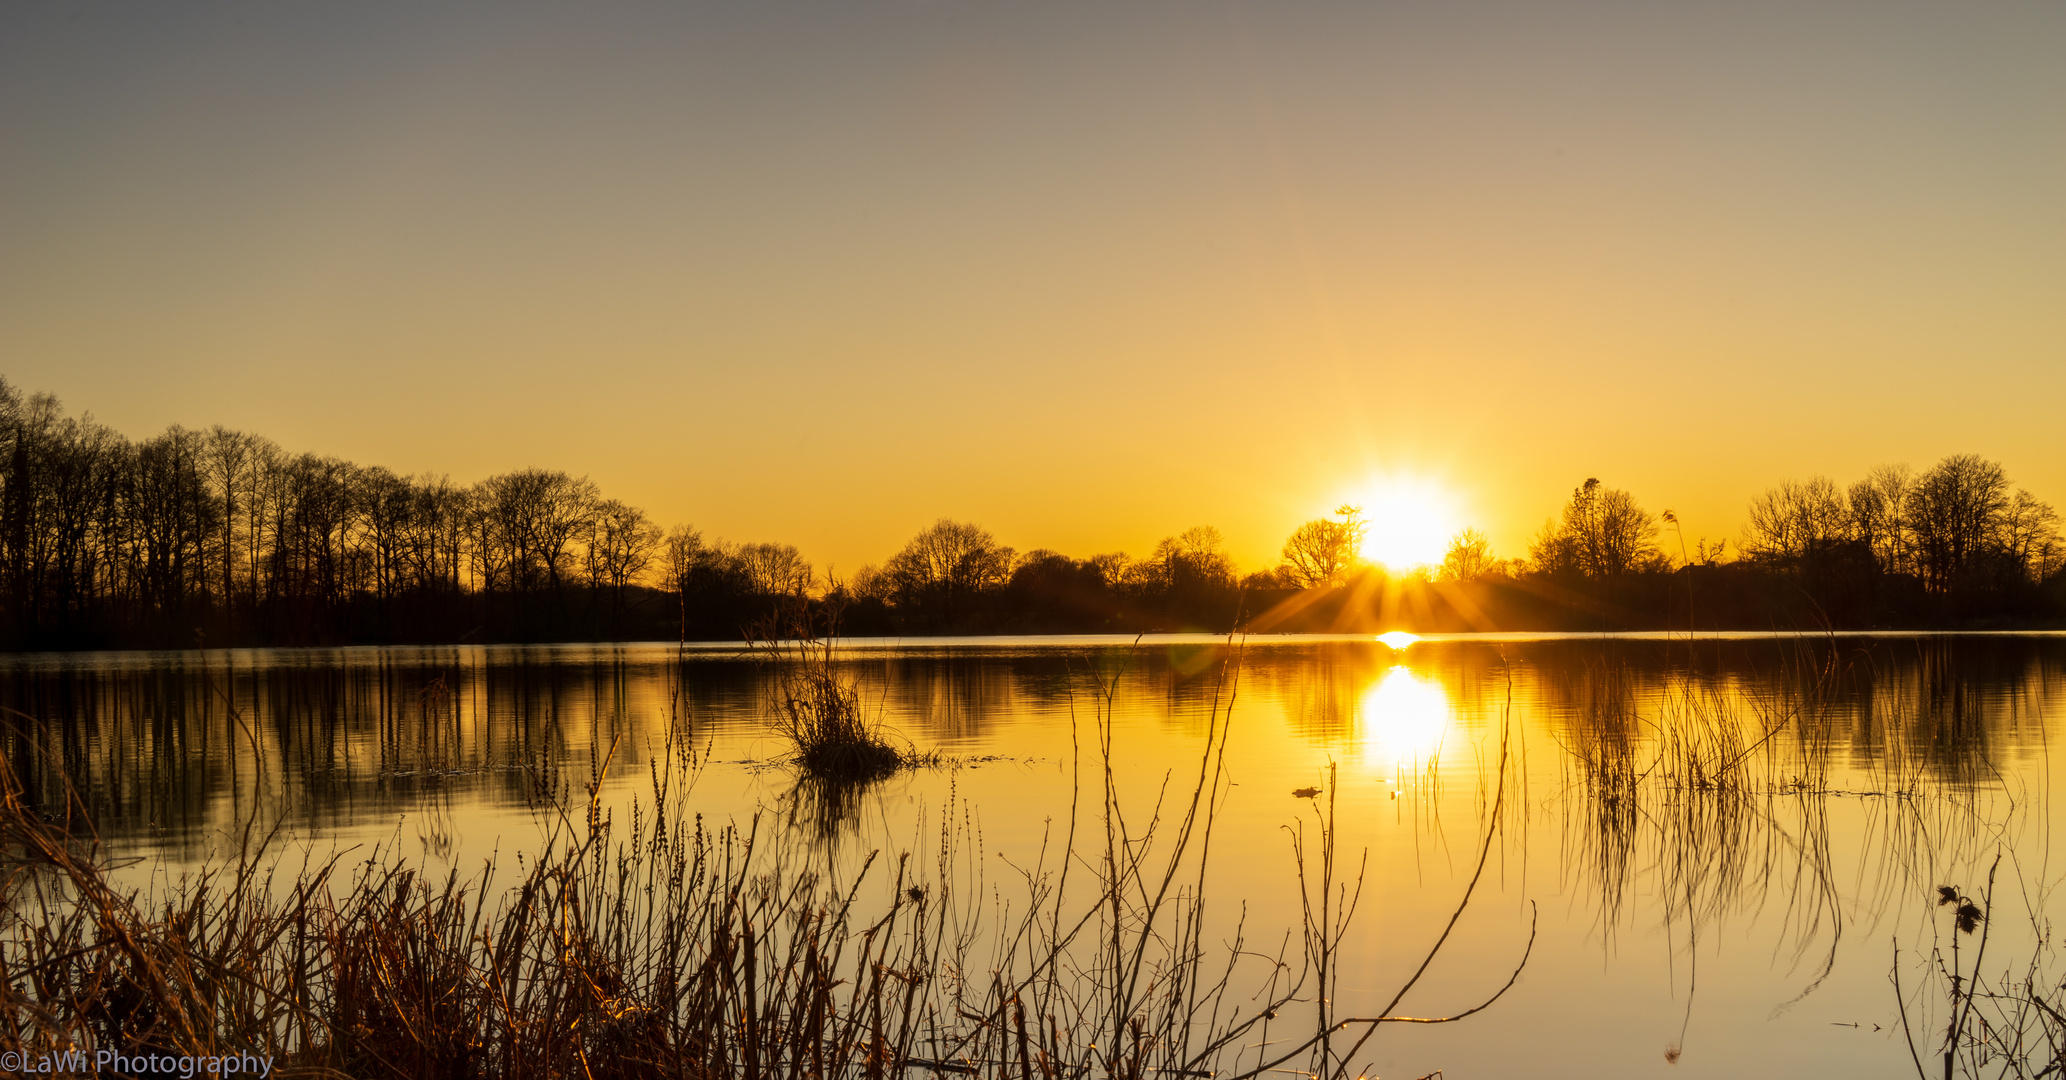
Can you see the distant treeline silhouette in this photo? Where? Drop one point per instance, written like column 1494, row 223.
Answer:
column 220, row 537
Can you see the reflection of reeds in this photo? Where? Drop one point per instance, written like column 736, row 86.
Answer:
column 657, row 945
column 825, row 808
column 1601, row 745
column 1716, row 795
column 1703, row 774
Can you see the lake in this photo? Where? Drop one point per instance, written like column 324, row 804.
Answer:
column 1725, row 846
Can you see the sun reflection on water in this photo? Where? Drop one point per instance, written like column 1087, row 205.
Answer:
column 1403, row 717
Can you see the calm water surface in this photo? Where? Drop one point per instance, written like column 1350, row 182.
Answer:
column 1745, row 928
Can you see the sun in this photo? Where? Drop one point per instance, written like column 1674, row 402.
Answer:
column 1407, row 522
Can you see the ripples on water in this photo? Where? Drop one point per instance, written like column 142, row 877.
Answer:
column 1725, row 838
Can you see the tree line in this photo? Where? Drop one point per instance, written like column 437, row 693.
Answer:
column 1957, row 545
column 220, row 537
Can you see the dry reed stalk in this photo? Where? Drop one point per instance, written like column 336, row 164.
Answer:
column 665, row 947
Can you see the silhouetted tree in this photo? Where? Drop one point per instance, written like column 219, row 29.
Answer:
column 65, row 525
column 436, row 536
column 1604, row 533
column 535, row 516
column 1050, row 590
column 1112, row 566
column 680, row 554
column 775, row 570
column 1322, row 552
column 1954, row 512
column 1185, row 563
column 1188, row 578
column 226, row 463
column 222, row 536
column 2029, row 536
column 1795, row 520
column 621, row 543
column 943, row 568
column 171, row 517
column 1878, row 505
column 1469, row 557
column 387, row 508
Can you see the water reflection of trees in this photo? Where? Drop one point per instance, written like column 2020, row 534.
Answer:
column 1721, row 783
column 182, row 747
column 1812, row 785
column 939, row 698
column 953, row 698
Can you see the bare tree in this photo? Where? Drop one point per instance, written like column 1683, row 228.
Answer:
column 1469, row 557
column 1111, row 566
column 436, row 534
column 621, row 543
column 1877, row 507
column 1790, row 522
column 387, row 507
column 1955, row 510
column 226, row 462
column 311, row 549
column 870, row 582
column 680, row 554
column 535, row 516
column 946, row 563
column 65, row 529
column 1190, row 562
column 263, row 487
column 2029, row 535
column 1604, row 533
column 171, row 518
column 775, row 569
column 1322, row 552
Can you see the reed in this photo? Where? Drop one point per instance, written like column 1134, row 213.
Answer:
column 2006, row 1020
column 651, row 943
column 815, row 709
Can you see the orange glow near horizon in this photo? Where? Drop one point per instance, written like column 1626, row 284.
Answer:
column 824, row 276
column 1408, row 522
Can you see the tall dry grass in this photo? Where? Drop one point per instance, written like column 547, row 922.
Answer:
column 1966, row 1011
column 657, row 944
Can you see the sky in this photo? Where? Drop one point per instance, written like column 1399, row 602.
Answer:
column 1086, row 274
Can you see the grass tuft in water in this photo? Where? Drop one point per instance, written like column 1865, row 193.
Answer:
column 818, row 710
